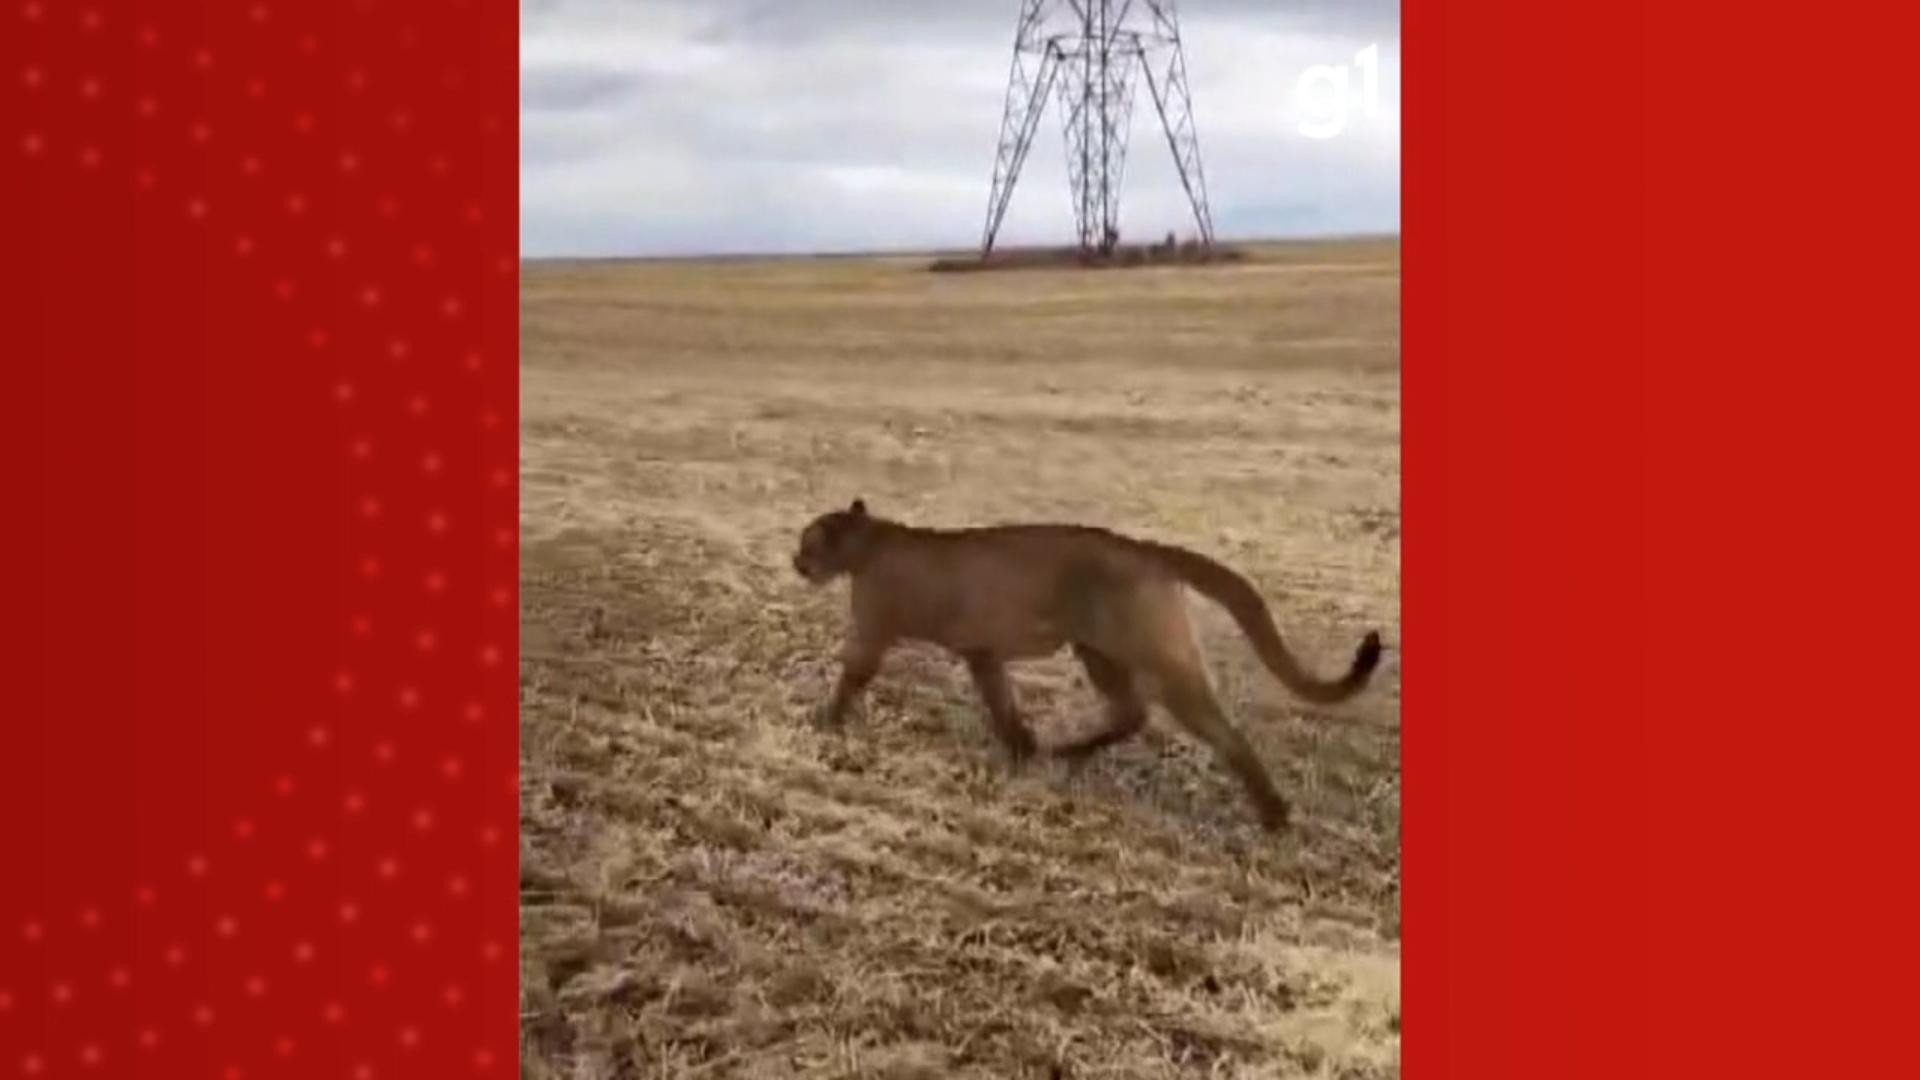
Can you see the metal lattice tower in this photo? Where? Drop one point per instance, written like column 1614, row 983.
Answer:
column 1087, row 53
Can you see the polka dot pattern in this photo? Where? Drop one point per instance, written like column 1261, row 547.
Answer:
column 268, row 420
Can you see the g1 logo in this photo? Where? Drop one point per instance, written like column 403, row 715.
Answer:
column 1324, row 96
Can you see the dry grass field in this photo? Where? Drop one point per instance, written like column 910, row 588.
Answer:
column 713, row 887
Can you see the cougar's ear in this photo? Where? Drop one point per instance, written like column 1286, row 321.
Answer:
column 859, row 508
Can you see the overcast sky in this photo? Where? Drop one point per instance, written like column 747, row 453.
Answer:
column 703, row 126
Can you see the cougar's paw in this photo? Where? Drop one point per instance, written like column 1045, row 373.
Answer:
column 1071, row 759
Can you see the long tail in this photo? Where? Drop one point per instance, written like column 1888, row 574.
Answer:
column 1235, row 593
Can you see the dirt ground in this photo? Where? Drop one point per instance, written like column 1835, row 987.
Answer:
column 713, row 887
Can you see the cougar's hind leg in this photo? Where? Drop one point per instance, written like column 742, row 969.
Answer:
column 1184, row 689
column 1126, row 712
column 1149, row 635
column 1003, row 715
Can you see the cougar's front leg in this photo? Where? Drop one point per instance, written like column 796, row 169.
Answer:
column 1003, row 713
column 859, row 663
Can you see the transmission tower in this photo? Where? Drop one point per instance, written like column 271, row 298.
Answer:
column 1087, row 53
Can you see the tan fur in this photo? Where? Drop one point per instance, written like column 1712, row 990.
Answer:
column 1013, row 592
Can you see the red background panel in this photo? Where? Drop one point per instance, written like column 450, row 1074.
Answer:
column 258, row 790
column 259, row 796
column 1659, row 549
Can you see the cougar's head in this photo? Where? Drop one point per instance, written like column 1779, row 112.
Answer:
column 834, row 543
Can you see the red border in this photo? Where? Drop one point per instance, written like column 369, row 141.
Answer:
column 1524, row 588
column 260, row 815
column 1657, row 403
column 1658, row 577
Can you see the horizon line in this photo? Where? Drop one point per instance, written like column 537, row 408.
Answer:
column 915, row 252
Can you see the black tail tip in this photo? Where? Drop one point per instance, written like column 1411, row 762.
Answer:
column 1368, row 657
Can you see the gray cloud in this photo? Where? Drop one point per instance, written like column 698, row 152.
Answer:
column 559, row 88
column 802, row 21
column 680, row 126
